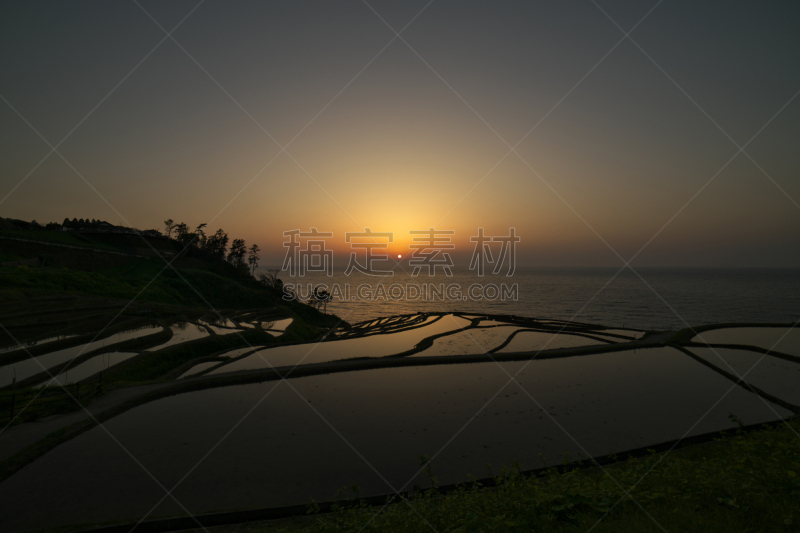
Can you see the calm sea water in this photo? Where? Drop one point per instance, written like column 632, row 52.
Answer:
column 660, row 299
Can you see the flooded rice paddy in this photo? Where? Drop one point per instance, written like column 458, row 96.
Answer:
column 776, row 376
column 534, row 341
column 278, row 325
column 476, row 340
column 307, row 437
column 183, row 332
column 40, row 342
column 90, row 367
column 785, row 340
column 35, row 365
column 371, row 346
column 240, row 444
column 196, row 369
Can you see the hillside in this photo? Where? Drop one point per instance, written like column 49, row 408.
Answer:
column 36, row 262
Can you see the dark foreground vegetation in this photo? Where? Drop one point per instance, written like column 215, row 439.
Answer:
column 742, row 481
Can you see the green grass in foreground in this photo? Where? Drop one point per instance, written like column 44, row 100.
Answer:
column 742, row 482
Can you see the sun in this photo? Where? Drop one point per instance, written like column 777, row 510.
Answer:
column 399, row 256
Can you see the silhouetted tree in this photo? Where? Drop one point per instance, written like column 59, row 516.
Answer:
column 217, row 244
column 237, row 252
column 182, row 234
column 320, row 298
column 169, row 224
column 252, row 258
column 270, row 279
column 200, row 235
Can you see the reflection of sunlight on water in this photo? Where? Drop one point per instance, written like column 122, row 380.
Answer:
column 198, row 368
column 372, row 346
column 626, row 332
column 182, row 332
column 91, row 367
column 528, row 341
column 278, row 325
column 221, row 331
column 38, row 342
column 32, row 366
column 469, row 342
column 217, row 321
column 231, row 354
column 238, row 351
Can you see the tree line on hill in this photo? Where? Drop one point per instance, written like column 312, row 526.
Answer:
column 215, row 245
column 197, row 243
column 76, row 224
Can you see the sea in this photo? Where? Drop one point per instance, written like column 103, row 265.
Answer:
column 645, row 298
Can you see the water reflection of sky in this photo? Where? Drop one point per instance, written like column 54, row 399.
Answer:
column 34, row 365
column 283, row 452
column 786, row 340
column 372, row 346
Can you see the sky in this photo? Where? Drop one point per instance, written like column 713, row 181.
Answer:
column 664, row 133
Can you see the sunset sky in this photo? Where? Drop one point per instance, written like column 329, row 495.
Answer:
column 538, row 115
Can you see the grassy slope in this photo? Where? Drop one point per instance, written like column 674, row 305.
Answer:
column 57, row 237
column 741, row 482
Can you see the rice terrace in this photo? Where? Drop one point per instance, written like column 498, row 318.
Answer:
column 167, row 378
column 423, row 266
